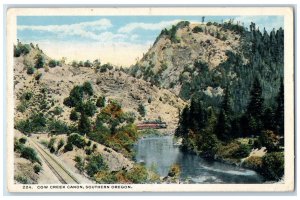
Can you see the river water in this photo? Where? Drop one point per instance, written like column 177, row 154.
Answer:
column 159, row 153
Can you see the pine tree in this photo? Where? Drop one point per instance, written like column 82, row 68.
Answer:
column 279, row 115
column 184, row 123
column 84, row 125
column 223, row 126
column 255, row 108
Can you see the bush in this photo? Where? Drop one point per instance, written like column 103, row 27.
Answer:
column 27, row 95
column 23, row 140
column 270, row 140
column 38, row 76
column 22, row 179
column 95, row 164
column 68, row 147
column 30, row 70
column 18, row 147
column 101, row 102
column 53, row 63
column 87, row 88
column 273, row 166
column 40, row 61
column 51, row 143
column 197, row 29
column 88, row 151
column 142, row 110
column 89, row 143
column 79, row 163
column 104, row 177
column 37, row 168
column 57, row 110
column 74, row 116
column 58, row 127
column 84, row 124
column 30, row 154
column 208, row 23
column 76, row 140
column 242, row 152
column 138, row 174
column 61, row 143
column 253, row 162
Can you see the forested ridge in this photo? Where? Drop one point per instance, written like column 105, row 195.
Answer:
column 251, row 107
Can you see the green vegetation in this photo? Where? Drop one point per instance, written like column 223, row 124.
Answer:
column 94, row 164
column 21, row 49
column 273, row 165
column 80, row 100
column 37, row 168
column 39, row 61
column 30, row 70
column 142, row 110
column 79, row 163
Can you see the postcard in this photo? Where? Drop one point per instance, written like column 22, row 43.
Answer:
column 150, row 99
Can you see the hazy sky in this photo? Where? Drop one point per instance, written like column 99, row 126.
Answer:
column 119, row 40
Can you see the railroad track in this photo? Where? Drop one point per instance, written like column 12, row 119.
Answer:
column 63, row 175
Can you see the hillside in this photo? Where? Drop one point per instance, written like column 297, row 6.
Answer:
column 42, row 114
column 206, row 58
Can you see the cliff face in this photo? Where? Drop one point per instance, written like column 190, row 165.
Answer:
column 172, row 58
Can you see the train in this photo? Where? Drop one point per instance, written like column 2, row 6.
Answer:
column 152, row 124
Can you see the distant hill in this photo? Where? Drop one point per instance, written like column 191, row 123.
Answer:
column 205, row 58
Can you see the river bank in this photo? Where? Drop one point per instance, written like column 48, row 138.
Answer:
column 159, row 153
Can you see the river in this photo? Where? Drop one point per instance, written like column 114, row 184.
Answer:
column 160, row 153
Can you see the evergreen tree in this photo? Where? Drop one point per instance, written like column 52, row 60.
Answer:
column 84, row 124
column 279, row 115
column 184, row 123
column 223, row 126
column 255, row 108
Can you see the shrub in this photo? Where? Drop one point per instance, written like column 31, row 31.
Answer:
column 208, row 23
column 270, row 140
column 53, row 63
column 60, row 144
column 23, row 140
column 101, row 102
column 18, row 147
column 84, row 124
column 74, row 116
column 22, row 107
column 27, row 95
column 87, row 88
column 51, row 143
column 273, row 165
column 38, row 76
column 40, row 61
column 37, row 168
column 30, row 154
column 68, row 147
column 242, row 152
column 58, row 127
column 30, row 70
column 197, row 29
column 89, row 143
column 79, row 163
column 22, row 179
column 76, row 140
column 142, row 110
column 253, row 162
column 88, row 151
column 104, row 177
column 95, row 164
column 138, row 174
column 57, row 110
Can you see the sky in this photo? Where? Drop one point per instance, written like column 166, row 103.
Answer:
column 119, row 40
